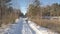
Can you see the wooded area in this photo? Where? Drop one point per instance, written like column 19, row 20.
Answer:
column 36, row 12
column 35, row 9
column 8, row 14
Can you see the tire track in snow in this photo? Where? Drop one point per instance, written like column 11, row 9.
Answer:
column 27, row 29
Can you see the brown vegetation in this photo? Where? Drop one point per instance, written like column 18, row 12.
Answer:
column 51, row 24
column 7, row 13
column 35, row 12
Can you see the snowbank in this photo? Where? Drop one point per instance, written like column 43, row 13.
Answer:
column 40, row 30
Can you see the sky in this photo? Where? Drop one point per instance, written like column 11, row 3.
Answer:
column 23, row 4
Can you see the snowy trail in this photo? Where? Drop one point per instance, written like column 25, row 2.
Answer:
column 16, row 28
column 20, row 28
column 26, row 27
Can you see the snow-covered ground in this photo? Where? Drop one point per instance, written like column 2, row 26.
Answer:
column 23, row 26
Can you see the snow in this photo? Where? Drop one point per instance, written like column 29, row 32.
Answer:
column 39, row 29
column 16, row 20
column 25, row 27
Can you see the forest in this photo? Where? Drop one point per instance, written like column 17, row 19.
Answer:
column 8, row 14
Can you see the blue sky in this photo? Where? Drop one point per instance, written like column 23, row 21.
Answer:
column 23, row 4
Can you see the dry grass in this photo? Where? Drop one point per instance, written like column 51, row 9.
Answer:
column 9, row 19
column 51, row 24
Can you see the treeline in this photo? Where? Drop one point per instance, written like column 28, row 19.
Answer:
column 8, row 14
column 53, row 10
column 35, row 9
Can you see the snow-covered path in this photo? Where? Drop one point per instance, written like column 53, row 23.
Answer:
column 21, row 27
column 26, row 27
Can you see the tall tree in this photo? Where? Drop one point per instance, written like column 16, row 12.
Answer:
column 34, row 8
column 3, row 8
